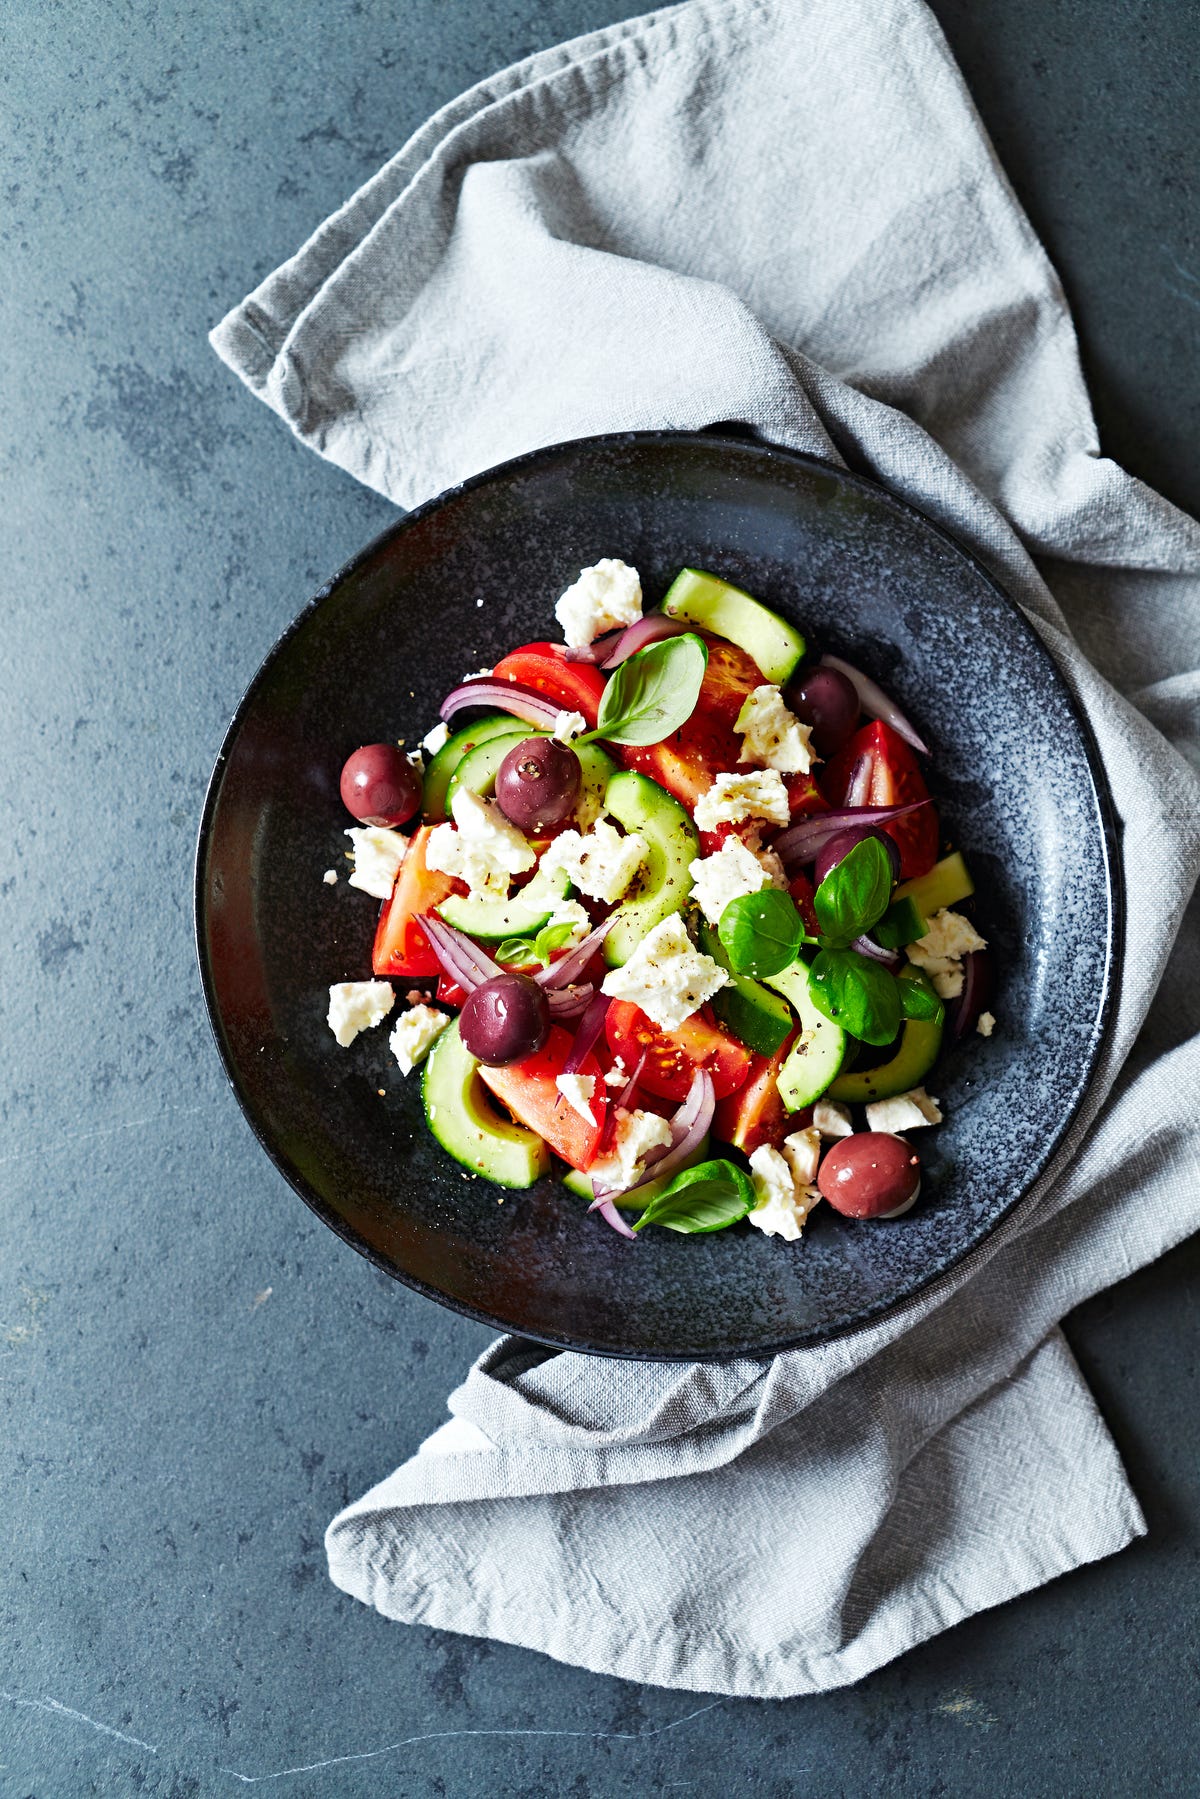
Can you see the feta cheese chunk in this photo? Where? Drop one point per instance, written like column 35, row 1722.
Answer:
column 637, row 1133
column 568, row 725
column 481, row 846
column 377, row 855
column 479, row 674
column 773, row 735
column 903, row 1112
column 734, row 797
column 783, row 1204
column 577, row 1090
column 414, row 1035
column 602, row 863
column 940, row 951
column 356, row 1006
column 330, row 877
column 832, row 1119
column 728, row 874
column 985, row 1024
column 666, row 975
column 605, row 596
column 618, row 1074
column 436, row 739
column 802, row 1153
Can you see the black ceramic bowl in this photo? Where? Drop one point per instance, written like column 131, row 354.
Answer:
column 452, row 587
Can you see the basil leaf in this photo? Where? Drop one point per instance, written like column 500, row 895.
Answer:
column 653, row 693
column 856, row 994
column 553, row 936
column 856, row 894
column 518, row 952
column 761, row 932
column 919, row 999
column 705, row 1198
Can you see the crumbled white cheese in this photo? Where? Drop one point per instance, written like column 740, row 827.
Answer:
column 568, row 725
column 330, row 877
column 480, row 674
column 666, row 975
column 985, row 1024
column 772, row 734
column 415, row 760
column 903, row 1112
column 783, row 1205
column 618, row 1074
column 414, row 1035
column 602, row 863
column 356, row 1006
column 435, row 740
column 940, row 951
column 802, row 1152
column 734, row 797
column 728, row 874
column 606, row 595
column 636, row 1134
column 832, row 1119
column 481, row 846
column 577, row 1090
column 377, row 855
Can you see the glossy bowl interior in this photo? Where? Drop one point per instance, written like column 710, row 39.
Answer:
column 448, row 590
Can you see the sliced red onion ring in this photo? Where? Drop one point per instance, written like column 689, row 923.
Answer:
column 875, row 702
column 866, row 946
column 588, row 1033
column 507, row 696
column 570, row 1002
column 689, row 1127
column 610, row 1215
column 629, row 1090
column 803, row 842
column 651, row 629
column 859, row 784
column 461, row 959
column 595, row 652
column 564, row 971
column 975, row 995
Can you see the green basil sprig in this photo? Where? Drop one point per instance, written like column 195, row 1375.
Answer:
column 709, row 1197
column 653, row 693
column 856, row 993
column 519, row 952
column 761, row 932
column 855, row 894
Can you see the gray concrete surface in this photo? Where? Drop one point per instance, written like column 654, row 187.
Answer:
column 194, row 1374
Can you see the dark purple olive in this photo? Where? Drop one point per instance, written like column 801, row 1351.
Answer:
column 824, row 699
column 538, row 784
column 870, row 1175
column 840, row 846
column 505, row 1020
column 380, row 786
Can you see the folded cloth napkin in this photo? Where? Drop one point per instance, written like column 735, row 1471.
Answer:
column 783, row 212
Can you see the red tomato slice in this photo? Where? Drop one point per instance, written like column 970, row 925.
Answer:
column 672, row 1057
column 804, row 796
column 801, row 890
column 896, row 780
column 754, row 1115
column 527, row 1088
column 401, row 946
column 575, row 686
column 706, row 745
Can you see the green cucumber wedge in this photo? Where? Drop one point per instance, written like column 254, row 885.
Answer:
column 665, row 880
column 715, row 606
column 443, row 764
column 465, row 1122
column 757, row 1017
column 523, row 913
column 819, row 1050
column 947, row 882
column 916, row 1053
column 902, row 923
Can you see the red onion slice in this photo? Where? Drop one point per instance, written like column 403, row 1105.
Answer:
column 875, row 702
column 595, row 652
column 629, row 1090
column 588, row 1033
column 507, row 696
column 564, row 971
column 803, row 842
column 460, row 958
column 610, row 1215
column 975, row 995
column 875, row 952
column 651, row 629
column 689, row 1127
column 859, row 784
column 570, row 1002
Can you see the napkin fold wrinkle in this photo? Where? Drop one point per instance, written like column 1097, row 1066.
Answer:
column 783, row 213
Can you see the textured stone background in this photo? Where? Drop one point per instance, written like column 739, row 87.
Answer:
column 194, row 1374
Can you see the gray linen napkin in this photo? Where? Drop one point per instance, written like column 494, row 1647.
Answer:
column 786, row 213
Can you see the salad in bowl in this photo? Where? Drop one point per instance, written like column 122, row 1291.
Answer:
column 667, row 902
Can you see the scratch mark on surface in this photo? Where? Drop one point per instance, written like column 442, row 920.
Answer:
column 66, row 1711
column 436, row 1736
column 260, row 1299
column 69, row 1138
column 966, row 1709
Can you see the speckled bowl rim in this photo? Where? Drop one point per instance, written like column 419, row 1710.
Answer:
column 731, row 438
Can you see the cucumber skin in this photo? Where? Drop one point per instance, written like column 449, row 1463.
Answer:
column 919, row 1048
column 640, row 804
column 902, row 923
column 494, row 920
column 464, row 1123
column 444, row 762
column 757, row 1017
column 707, row 601
column 805, row 1077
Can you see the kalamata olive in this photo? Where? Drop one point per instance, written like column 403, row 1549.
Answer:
column 840, row 846
column 380, row 786
column 505, row 1020
column 870, row 1175
column 538, row 784
column 824, row 699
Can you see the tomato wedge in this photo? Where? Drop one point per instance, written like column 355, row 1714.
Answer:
column 801, row 890
column 575, row 686
column 672, row 1057
column 896, row 780
column 401, row 946
column 528, row 1089
column 755, row 1114
column 688, row 761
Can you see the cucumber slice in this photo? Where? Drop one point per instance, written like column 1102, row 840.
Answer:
column 920, row 1043
column 757, row 1017
column 947, row 882
column 581, row 1184
column 443, row 764
column 714, row 605
column 598, row 771
column 902, row 923
column 466, row 1124
column 478, row 770
column 663, row 885
column 491, row 920
column 818, row 1051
